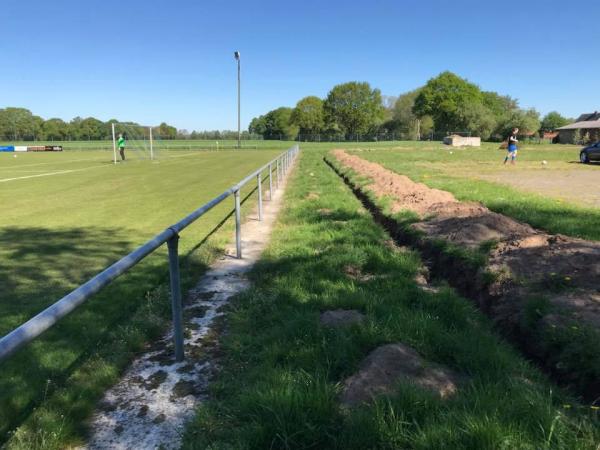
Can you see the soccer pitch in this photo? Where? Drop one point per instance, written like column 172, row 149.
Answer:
column 66, row 216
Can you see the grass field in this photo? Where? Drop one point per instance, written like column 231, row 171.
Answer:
column 283, row 371
column 65, row 216
column 560, row 197
column 68, row 215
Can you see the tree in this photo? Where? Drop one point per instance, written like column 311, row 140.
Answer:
column 308, row 115
column 502, row 107
column 446, row 98
column 478, row 119
column 165, row 131
column 19, row 123
column 276, row 124
column 552, row 121
column 183, row 134
column 354, row 107
column 55, row 129
column 408, row 125
column 258, row 125
column 91, row 129
column 526, row 120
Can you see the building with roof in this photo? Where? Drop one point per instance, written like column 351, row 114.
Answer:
column 588, row 116
column 585, row 129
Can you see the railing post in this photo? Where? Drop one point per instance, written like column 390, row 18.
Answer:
column 177, row 312
column 238, row 225
column 270, row 182
column 260, row 209
column 277, row 173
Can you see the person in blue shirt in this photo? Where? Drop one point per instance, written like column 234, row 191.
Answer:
column 512, row 146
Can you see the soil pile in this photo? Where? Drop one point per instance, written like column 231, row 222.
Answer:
column 341, row 318
column 404, row 193
column 524, row 263
column 390, row 364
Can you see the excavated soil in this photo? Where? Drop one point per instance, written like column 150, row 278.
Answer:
column 405, row 194
column 386, row 366
column 523, row 262
column 341, row 318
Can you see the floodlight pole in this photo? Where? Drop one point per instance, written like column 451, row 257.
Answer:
column 114, row 143
column 237, row 57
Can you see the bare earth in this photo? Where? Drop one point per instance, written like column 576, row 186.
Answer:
column 522, row 253
column 579, row 186
column 524, row 262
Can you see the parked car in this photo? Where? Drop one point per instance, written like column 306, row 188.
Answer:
column 590, row 153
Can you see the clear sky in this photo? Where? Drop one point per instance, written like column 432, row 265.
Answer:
column 149, row 61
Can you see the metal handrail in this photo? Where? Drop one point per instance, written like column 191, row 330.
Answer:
column 38, row 324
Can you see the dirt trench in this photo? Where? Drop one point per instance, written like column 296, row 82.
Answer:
column 541, row 290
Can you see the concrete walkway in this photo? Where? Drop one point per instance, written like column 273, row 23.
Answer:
column 149, row 407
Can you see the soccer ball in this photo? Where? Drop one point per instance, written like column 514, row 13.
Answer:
column 544, row 162
column 14, row 156
column 451, row 153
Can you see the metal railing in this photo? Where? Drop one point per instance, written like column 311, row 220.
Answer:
column 37, row 325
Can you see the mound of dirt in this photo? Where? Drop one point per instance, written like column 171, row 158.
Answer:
column 525, row 263
column 341, row 317
column 524, row 259
column 386, row 366
column 406, row 194
column 470, row 224
column 555, row 261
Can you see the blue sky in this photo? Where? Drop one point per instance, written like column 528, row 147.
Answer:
column 150, row 61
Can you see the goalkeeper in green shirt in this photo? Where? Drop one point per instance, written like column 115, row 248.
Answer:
column 121, row 145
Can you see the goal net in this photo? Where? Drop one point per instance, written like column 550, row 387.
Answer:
column 140, row 142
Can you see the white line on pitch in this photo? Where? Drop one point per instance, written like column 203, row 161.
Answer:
column 55, row 162
column 49, row 174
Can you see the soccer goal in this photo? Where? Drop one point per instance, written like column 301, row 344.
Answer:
column 136, row 141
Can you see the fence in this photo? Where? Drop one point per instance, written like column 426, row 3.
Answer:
column 37, row 325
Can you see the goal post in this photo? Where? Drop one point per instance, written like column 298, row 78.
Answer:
column 140, row 142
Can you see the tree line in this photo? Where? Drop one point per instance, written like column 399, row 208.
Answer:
column 445, row 104
column 20, row 124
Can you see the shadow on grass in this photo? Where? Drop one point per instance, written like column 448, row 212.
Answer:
column 37, row 267
column 82, row 355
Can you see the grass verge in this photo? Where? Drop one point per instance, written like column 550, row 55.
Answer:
column 282, row 372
